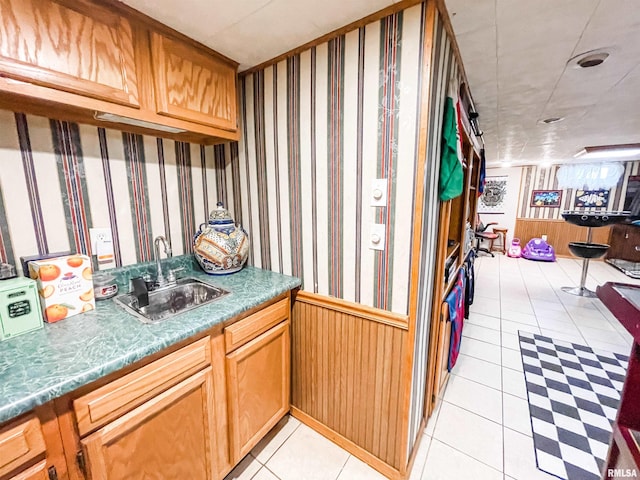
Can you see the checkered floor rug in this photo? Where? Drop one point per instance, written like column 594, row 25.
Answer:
column 573, row 393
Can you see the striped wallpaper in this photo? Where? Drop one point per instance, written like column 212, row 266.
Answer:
column 538, row 178
column 58, row 179
column 444, row 67
column 317, row 128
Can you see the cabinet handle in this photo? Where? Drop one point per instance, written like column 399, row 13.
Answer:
column 82, row 463
column 637, row 248
column 53, row 474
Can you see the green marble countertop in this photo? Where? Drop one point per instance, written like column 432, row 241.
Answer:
column 39, row 366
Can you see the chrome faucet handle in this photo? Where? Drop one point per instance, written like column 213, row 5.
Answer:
column 171, row 276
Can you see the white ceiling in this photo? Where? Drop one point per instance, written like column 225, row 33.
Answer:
column 254, row 31
column 515, row 53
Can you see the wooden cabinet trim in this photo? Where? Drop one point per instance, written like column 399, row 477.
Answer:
column 20, row 442
column 108, row 402
column 37, row 472
column 240, row 447
column 245, row 330
column 93, row 443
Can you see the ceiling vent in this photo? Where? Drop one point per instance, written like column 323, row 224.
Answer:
column 550, row 120
column 590, row 59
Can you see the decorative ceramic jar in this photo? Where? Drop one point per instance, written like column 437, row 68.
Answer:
column 221, row 246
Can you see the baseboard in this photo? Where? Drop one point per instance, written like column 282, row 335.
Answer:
column 355, row 450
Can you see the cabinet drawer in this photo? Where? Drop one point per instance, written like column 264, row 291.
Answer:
column 118, row 397
column 247, row 329
column 20, row 443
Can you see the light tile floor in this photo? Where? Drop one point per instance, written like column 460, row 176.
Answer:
column 481, row 429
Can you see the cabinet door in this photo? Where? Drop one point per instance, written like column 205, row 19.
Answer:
column 168, row 437
column 80, row 47
column 191, row 85
column 258, row 388
column 21, row 442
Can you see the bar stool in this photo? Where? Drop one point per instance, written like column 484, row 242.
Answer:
column 502, row 235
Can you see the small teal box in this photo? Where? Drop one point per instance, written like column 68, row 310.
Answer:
column 19, row 307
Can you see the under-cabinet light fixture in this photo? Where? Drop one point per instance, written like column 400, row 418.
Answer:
column 609, row 151
column 112, row 117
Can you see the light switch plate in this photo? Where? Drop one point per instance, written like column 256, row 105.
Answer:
column 377, row 236
column 379, row 192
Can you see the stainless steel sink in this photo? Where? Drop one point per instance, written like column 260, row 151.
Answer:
column 167, row 302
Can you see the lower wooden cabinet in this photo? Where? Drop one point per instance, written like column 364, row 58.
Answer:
column 191, row 414
column 625, row 243
column 168, row 437
column 258, row 379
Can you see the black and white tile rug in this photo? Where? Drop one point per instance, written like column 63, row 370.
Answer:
column 573, row 393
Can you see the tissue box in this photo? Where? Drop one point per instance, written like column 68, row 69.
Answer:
column 65, row 286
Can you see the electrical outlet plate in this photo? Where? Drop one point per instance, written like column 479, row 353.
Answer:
column 379, row 192
column 377, row 236
column 99, row 234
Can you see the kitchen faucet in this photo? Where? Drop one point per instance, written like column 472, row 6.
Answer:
column 160, row 279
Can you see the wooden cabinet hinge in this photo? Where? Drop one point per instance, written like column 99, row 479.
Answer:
column 82, row 463
column 53, row 473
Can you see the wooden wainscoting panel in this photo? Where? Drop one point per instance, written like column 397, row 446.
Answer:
column 559, row 233
column 346, row 373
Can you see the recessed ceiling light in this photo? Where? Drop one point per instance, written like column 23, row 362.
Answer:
column 609, row 151
column 551, row 120
column 592, row 58
column 506, row 164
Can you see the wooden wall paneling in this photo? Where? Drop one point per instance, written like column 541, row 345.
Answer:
column 81, row 48
column 559, row 233
column 347, row 374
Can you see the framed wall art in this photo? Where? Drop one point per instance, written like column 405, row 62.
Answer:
column 495, row 191
column 546, row 198
column 592, row 198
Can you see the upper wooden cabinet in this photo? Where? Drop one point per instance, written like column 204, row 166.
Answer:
column 78, row 60
column 79, row 48
column 190, row 85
